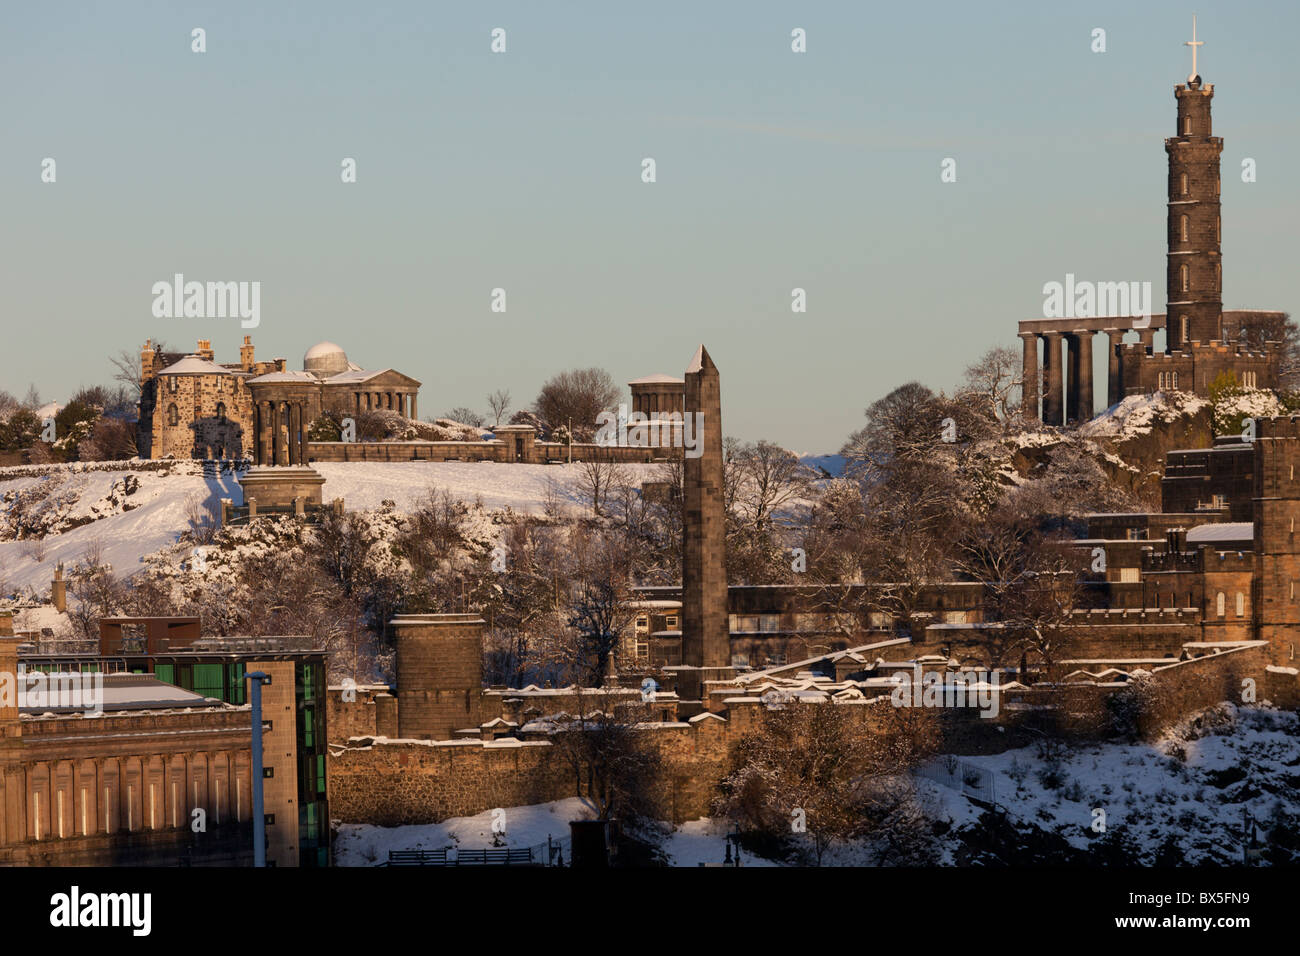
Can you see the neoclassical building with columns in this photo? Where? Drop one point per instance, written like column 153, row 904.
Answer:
column 193, row 407
column 1202, row 341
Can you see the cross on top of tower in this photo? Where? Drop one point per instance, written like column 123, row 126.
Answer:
column 1193, row 43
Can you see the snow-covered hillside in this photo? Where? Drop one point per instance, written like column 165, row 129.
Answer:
column 127, row 513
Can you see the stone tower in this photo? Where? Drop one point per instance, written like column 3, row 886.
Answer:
column 439, row 674
column 1194, row 271
column 706, row 635
column 1277, row 547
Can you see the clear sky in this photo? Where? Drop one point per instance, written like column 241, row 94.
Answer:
column 522, row 171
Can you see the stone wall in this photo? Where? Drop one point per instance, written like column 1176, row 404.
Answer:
column 397, row 782
column 542, row 452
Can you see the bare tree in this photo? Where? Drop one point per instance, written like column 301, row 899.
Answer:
column 616, row 768
column 576, row 396
column 466, row 416
column 814, row 774
column 995, row 381
column 599, row 611
column 769, row 478
column 598, row 480
column 499, row 403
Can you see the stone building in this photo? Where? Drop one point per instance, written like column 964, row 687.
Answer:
column 171, row 746
column 193, row 407
column 1202, row 341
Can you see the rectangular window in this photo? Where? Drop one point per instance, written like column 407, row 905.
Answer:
column 210, row 680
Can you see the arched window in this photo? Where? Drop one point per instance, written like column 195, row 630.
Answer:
column 1187, row 126
column 1241, row 604
column 1174, row 383
column 1160, row 380
column 1219, row 604
column 1186, row 278
column 173, row 416
column 1184, row 184
column 1184, row 225
column 173, row 383
column 1184, row 330
column 1218, row 276
column 221, row 411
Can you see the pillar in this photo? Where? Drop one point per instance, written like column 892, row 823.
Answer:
column 1083, row 340
column 414, row 411
column 1029, row 390
column 266, row 433
column 295, row 433
column 277, row 433
column 1114, row 388
column 1071, row 377
column 1052, row 385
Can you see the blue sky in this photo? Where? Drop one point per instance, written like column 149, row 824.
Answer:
column 522, row 171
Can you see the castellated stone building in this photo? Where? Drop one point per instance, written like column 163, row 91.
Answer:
column 193, row 407
column 1202, row 341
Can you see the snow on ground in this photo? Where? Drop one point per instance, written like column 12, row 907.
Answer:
column 365, row 485
column 157, row 516
column 1138, row 414
column 1249, row 761
column 364, row 845
column 156, row 513
column 692, row 843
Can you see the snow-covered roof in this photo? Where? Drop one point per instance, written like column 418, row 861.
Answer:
column 1224, row 531
column 271, row 378
column 193, row 365
column 357, row 375
column 657, row 379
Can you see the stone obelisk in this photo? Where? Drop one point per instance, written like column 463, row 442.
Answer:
column 706, row 640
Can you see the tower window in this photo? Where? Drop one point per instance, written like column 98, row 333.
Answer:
column 221, row 411
column 1184, row 184
column 173, row 416
column 1186, row 278
column 1241, row 604
column 1218, row 228
column 1184, row 228
column 1218, row 276
column 1219, row 603
column 1183, row 325
column 1187, row 126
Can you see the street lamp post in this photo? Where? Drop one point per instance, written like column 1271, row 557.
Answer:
column 258, row 678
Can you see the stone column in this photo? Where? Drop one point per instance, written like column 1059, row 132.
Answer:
column 1084, row 340
column 1115, row 338
column 295, row 433
column 1052, row 407
column 1029, row 391
column 414, row 411
column 277, row 433
column 266, row 439
column 1071, row 377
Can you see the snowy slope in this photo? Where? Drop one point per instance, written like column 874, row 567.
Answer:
column 76, row 509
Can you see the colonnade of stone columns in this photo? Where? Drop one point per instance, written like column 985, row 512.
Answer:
column 281, row 430
column 404, row 403
column 1067, row 387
